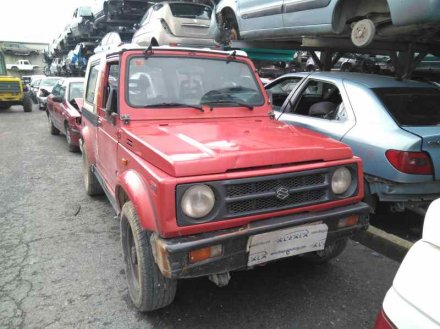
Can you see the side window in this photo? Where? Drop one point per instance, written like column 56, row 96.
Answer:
column 281, row 91
column 91, row 84
column 111, row 82
column 321, row 99
column 62, row 91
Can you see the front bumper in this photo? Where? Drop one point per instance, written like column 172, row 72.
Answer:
column 171, row 255
column 166, row 39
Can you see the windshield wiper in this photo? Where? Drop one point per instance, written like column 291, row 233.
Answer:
column 176, row 105
column 230, row 101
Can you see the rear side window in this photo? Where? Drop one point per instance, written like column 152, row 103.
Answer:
column 412, row 106
column 188, row 10
column 91, row 84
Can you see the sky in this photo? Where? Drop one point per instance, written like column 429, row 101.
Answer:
column 36, row 20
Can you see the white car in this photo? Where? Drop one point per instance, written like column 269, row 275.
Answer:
column 176, row 24
column 111, row 40
column 414, row 299
column 45, row 88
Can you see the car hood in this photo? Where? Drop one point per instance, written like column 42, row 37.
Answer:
column 208, row 147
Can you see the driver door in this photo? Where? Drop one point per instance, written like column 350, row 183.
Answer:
column 108, row 130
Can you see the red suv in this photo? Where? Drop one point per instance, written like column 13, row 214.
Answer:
column 204, row 180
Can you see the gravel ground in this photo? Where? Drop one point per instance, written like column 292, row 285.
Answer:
column 61, row 263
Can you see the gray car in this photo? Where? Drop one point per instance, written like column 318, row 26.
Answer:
column 415, row 21
column 176, row 24
column 14, row 48
column 394, row 126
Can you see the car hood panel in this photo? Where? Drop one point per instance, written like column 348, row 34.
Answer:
column 198, row 148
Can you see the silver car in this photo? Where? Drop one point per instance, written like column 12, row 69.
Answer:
column 45, row 88
column 394, row 126
column 410, row 20
column 175, row 24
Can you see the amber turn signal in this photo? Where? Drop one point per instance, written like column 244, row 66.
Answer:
column 199, row 255
column 348, row 221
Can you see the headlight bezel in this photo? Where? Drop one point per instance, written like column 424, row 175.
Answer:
column 353, row 187
column 204, row 188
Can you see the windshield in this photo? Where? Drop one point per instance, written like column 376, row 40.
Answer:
column 76, row 90
column 192, row 81
column 188, row 10
column 49, row 83
column 412, row 106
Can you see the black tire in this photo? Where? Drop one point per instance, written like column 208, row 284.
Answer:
column 4, row 106
column 53, row 130
column 27, row 103
column 91, row 183
column 331, row 251
column 70, row 146
column 346, row 68
column 149, row 290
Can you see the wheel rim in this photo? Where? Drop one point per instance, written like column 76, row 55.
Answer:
column 233, row 34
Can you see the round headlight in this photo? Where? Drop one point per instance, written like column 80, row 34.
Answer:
column 198, row 201
column 341, row 180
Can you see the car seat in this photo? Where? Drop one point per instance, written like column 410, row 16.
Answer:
column 322, row 109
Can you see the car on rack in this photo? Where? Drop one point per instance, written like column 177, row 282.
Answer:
column 81, row 26
column 175, row 24
column 44, row 89
column 412, row 301
column 64, row 110
column 22, row 65
column 393, row 125
column 363, row 21
column 112, row 40
column 119, row 12
column 15, row 48
column 204, row 180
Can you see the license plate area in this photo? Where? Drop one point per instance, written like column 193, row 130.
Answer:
column 286, row 242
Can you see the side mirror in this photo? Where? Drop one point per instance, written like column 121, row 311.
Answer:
column 57, row 99
column 111, row 105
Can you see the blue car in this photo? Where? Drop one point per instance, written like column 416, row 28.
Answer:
column 405, row 20
column 393, row 125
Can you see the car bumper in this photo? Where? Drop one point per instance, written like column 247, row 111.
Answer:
column 11, row 99
column 42, row 101
column 75, row 135
column 172, row 255
column 171, row 40
column 409, row 192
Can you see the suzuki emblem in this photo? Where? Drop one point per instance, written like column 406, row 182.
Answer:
column 282, row 193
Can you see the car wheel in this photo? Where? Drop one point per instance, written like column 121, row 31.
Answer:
column 91, row 183
column 53, row 130
column 148, row 289
column 4, row 106
column 331, row 251
column 27, row 103
column 346, row 68
column 71, row 147
column 363, row 32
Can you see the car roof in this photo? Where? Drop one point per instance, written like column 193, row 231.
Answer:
column 371, row 81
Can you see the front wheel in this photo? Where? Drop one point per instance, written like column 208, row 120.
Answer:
column 91, row 183
column 330, row 251
column 27, row 103
column 149, row 290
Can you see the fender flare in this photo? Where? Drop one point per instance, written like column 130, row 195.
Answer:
column 135, row 189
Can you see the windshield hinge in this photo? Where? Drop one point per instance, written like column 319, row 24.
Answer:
column 125, row 118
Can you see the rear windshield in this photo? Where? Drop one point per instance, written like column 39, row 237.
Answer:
column 188, row 10
column 412, row 106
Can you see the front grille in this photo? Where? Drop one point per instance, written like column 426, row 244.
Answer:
column 262, row 195
column 12, row 87
column 294, row 200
